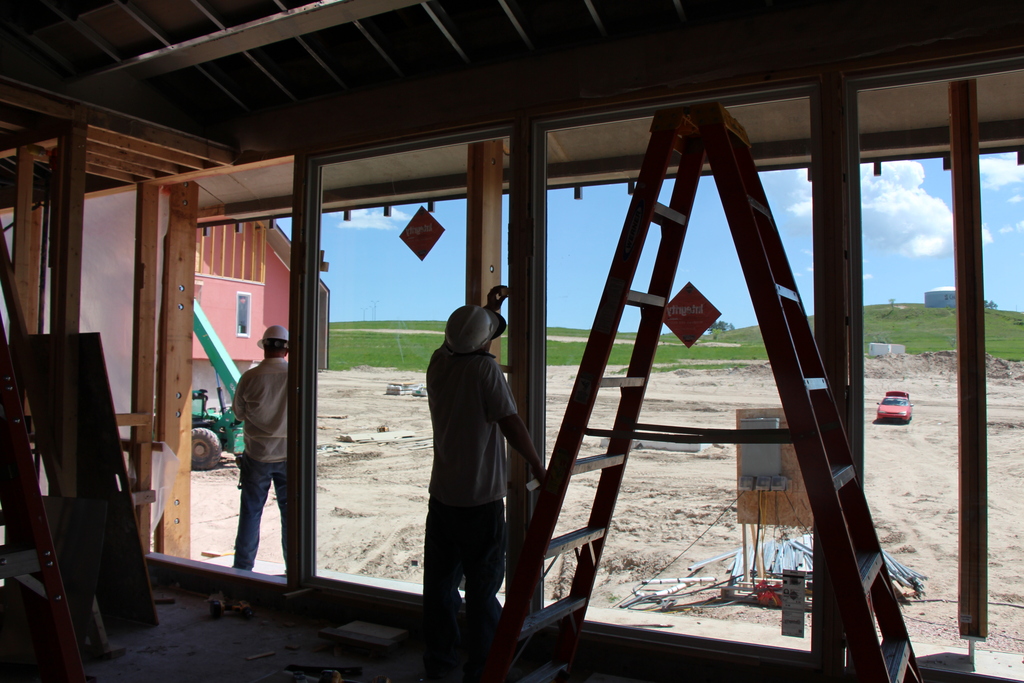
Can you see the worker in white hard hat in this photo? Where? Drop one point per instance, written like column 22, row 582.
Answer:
column 471, row 410
column 261, row 400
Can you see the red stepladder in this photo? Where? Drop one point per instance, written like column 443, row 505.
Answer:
column 28, row 555
column 877, row 638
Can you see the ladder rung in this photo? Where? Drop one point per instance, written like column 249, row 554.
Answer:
column 843, row 475
column 691, row 435
column 597, row 462
column 572, row 540
column 870, row 564
column 662, row 212
column 787, row 293
column 760, row 208
column 635, row 298
column 623, row 381
column 550, row 614
column 896, row 653
column 17, row 561
column 545, row 674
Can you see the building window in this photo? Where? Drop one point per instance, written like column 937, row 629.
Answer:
column 242, row 314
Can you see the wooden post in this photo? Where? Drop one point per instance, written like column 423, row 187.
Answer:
column 483, row 222
column 832, row 306
column 970, row 345
column 147, row 200
column 302, row 315
column 28, row 236
column 174, row 375
column 65, row 299
column 525, row 350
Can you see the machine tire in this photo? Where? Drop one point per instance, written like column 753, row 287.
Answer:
column 206, row 449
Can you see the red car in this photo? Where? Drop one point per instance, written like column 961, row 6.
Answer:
column 896, row 406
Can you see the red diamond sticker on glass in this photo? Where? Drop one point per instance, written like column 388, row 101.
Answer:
column 422, row 233
column 689, row 315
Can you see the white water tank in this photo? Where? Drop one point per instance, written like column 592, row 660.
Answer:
column 940, row 297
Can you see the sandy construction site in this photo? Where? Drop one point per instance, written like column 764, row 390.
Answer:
column 675, row 508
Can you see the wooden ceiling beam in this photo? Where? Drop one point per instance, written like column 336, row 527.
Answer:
column 158, row 136
column 105, row 172
column 146, row 149
column 292, row 23
column 102, row 149
column 95, row 160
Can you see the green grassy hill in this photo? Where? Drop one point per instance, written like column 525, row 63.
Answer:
column 407, row 345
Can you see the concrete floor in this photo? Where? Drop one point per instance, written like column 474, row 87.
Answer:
column 189, row 645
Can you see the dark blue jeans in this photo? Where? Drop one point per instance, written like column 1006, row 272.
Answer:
column 470, row 542
column 255, row 480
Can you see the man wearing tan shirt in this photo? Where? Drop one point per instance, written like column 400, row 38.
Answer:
column 261, row 400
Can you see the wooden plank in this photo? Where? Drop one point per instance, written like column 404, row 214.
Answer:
column 28, row 236
column 143, row 172
column 174, row 373
column 483, row 222
column 29, row 98
column 106, row 151
column 970, row 352
column 123, row 588
column 212, row 152
column 149, row 150
column 301, row 369
column 362, row 634
column 44, row 136
column 777, row 508
column 65, row 299
column 147, row 229
column 113, row 174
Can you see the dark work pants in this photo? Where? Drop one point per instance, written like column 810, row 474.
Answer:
column 462, row 541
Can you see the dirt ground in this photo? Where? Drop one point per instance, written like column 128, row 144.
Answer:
column 675, row 508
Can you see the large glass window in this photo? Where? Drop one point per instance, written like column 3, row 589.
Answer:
column 398, row 232
column 674, row 559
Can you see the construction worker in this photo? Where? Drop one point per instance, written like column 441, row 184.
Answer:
column 471, row 408
column 261, row 400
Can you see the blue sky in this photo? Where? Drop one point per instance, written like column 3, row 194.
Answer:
column 908, row 246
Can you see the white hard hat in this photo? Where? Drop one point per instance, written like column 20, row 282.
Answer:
column 276, row 337
column 470, row 327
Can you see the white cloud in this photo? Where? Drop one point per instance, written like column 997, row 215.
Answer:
column 1016, row 199
column 789, row 194
column 899, row 216
column 1005, row 229
column 986, row 235
column 998, row 170
column 374, row 219
column 869, row 276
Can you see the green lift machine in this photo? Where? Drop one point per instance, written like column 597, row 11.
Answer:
column 214, row 431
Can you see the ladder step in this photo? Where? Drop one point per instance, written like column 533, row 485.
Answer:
column 572, row 540
column 843, row 475
column 896, row 653
column 815, row 383
column 545, row 674
column 545, row 617
column 597, row 462
column 688, row 435
column 623, row 381
column 760, row 208
column 18, row 561
column 870, row 564
column 787, row 293
column 635, row 298
column 663, row 214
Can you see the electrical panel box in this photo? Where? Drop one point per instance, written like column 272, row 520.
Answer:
column 780, row 483
column 764, row 483
column 745, row 484
column 760, row 459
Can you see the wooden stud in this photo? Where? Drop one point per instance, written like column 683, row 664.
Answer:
column 301, row 368
column 147, row 229
column 174, row 375
column 483, row 223
column 970, row 353
column 27, row 240
column 65, row 298
column 832, row 307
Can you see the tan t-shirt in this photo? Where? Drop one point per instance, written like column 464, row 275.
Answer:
column 261, row 399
